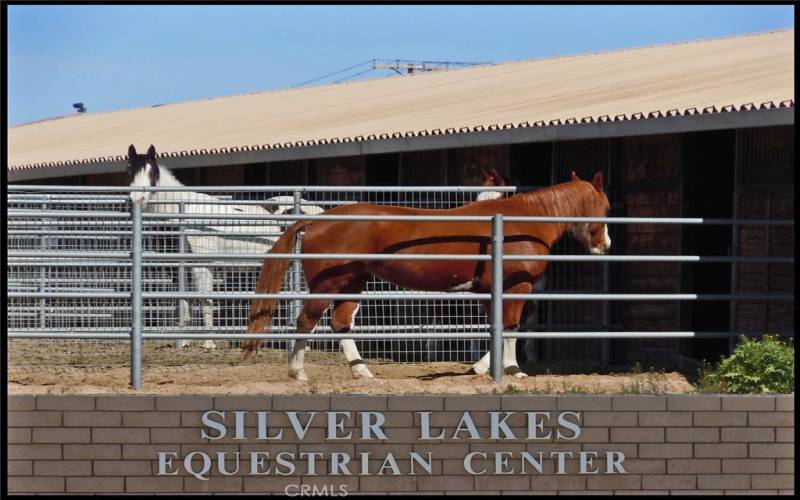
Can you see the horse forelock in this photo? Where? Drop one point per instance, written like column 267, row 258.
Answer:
column 136, row 165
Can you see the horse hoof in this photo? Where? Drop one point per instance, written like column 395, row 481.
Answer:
column 299, row 376
column 361, row 371
column 515, row 372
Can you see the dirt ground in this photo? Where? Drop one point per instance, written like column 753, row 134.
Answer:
column 101, row 368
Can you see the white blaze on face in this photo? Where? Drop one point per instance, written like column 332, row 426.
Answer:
column 605, row 246
column 580, row 231
column 142, row 178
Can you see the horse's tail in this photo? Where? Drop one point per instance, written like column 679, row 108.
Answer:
column 269, row 281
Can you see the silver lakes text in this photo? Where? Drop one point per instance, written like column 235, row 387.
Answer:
column 369, row 427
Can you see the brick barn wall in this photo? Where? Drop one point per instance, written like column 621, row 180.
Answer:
column 711, row 444
column 766, row 171
column 651, row 184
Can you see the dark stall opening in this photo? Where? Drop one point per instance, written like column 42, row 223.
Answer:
column 708, row 175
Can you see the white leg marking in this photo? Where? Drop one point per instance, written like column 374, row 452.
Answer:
column 350, row 351
column 296, row 359
column 482, row 366
column 204, row 282
column 510, row 358
column 208, row 318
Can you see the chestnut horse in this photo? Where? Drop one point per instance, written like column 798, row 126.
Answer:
column 576, row 198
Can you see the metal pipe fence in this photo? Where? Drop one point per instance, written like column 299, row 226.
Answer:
column 128, row 228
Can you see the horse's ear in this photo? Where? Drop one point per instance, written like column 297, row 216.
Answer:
column 131, row 153
column 498, row 179
column 574, row 176
column 151, row 155
column 597, row 181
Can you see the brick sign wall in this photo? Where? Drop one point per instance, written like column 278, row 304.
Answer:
column 661, row 444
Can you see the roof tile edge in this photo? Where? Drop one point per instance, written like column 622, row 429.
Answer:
column 731, row 108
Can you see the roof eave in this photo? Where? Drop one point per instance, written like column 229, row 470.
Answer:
column 533, row 133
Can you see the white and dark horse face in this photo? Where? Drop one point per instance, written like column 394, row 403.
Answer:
column 592, row 236
column 143, row 171
column 284, row 205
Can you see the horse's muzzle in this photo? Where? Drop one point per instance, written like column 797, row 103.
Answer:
column 139, row 198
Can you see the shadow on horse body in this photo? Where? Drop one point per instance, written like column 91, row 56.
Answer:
column 575, row 198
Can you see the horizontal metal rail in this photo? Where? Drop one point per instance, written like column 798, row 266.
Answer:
column 260, row 336
column 66, row 233
column 476, row 218
column 646, row 296
column 372, row 336
column 250, row 296
column 124, row 199
column 54, row 254
column 121, row 264
column 278, row 329
column 622, row 335
column 405, row 296
column 54, row 214
column 203, row 257
column 260, row 189
column 410, row 218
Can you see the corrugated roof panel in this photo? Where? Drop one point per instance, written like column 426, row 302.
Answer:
column 669, row 80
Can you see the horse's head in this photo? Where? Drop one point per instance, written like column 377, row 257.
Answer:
column 594, row 236
column 142, row 171
column 284, row 205
column 492, row 178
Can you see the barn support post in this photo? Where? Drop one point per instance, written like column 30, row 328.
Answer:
column 136, row 297
column 734, row 252
column 496, row 319
column 605, row 344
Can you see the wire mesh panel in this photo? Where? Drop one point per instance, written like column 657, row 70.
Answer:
column 93, row 226
column 84, row 245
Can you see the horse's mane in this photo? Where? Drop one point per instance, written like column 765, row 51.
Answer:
column 167, row 178
column 562, row 200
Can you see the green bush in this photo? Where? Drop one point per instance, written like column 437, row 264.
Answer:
column 755, row 366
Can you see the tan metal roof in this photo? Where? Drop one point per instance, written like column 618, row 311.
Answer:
column 724, row 74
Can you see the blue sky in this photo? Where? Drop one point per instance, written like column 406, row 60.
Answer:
column 117, row 57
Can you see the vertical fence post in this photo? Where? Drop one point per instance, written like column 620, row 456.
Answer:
column 183, row 304
column 45, row 246
column 296, row 281
column 136, row 297
column 496, row 319
column 605, row 344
